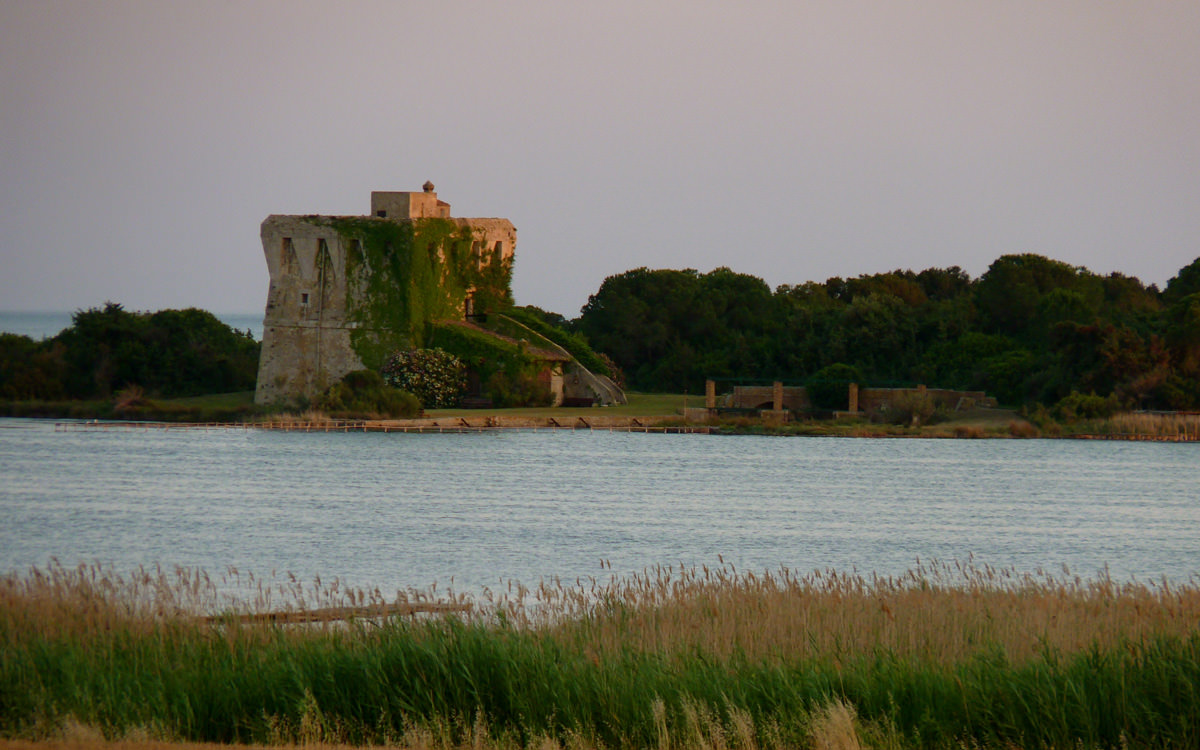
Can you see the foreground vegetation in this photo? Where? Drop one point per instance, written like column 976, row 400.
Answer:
column 944, row 656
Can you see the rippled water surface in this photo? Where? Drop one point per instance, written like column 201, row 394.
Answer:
column 400, row 510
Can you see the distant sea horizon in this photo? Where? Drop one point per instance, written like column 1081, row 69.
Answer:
column 46, row 324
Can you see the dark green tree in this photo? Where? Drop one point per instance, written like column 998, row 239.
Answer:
column 168, row 353
column 1183, row 284
column 829, row 387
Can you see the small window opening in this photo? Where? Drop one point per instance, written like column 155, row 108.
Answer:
column 304, row 298
column 381, row 214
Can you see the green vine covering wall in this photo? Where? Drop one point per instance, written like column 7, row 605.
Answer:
column 507, row 372
column 482, row 353
column 575, row 344
column 403, row 275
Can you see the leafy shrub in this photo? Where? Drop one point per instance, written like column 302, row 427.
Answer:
column 129, row 397
column 1180, row 393
column 1023, row 429
column 436, row 377
column 914, row 408
column 516, row 390
column 1076, row 406
column 829, row 387
column 1039, row 417
column 31, row 369
column 615, row 373
column 365, row 393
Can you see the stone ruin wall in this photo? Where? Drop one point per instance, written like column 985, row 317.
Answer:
column 877, row 399
column 763, row 397
column 870, row 400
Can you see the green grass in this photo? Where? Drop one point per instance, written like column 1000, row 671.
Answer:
column 672, row 658
column 235, row 400
column 218, row 407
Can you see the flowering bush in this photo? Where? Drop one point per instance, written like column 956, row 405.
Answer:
column 435, row 376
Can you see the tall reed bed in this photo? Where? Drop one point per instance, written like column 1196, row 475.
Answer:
column 1185, row 426
column 943, row 656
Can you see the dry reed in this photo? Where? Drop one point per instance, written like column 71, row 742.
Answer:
column 1184, row 426
column 636, row 651
column 941, row 613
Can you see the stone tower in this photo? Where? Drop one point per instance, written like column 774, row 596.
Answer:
column 347, row 291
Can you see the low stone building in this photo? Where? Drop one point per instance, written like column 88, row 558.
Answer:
column 347, row 291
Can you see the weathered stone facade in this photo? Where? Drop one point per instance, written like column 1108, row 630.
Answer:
column 326, row 314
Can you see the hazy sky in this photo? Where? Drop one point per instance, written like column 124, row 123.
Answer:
column 142, row 143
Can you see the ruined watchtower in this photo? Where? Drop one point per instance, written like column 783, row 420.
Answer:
column 347, row 291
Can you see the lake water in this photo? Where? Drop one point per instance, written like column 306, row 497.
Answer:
column 399, row 511
column 44, row 325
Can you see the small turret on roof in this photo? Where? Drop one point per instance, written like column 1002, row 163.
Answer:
column 409, row 205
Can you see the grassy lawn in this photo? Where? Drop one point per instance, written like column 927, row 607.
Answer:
column 214, row 400
column 640, row 405
column 215, row 407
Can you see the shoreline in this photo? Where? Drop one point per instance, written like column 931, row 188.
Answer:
column 658, row 424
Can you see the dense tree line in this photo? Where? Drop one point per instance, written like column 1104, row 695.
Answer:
column 167, row 353
column 1030, row 329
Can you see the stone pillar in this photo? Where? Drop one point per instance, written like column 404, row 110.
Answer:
column 777, row 396
column 710, row 394
column 852, row 405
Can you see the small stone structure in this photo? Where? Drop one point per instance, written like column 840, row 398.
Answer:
column 777, row 399
column 881, row 399
column 347, row 291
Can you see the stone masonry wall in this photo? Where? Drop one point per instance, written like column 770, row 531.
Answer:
column 795, row 398
column 876, row 399
column 306, row 339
